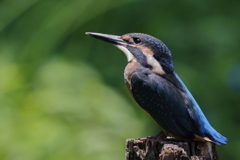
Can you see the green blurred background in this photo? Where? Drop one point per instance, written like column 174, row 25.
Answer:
column 62, row 93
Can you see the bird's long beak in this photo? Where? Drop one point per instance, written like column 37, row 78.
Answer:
column 116, row 40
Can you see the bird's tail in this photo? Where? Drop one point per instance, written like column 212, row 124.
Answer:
column 215, row 137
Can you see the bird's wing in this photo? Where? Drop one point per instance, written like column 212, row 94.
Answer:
column 196, row 114
column 164, row 102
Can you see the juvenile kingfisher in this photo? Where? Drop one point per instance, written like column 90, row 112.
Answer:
column 158, row 90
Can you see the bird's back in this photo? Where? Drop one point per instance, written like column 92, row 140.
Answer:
column 205, row 129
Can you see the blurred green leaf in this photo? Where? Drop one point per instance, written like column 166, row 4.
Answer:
column 62, row 94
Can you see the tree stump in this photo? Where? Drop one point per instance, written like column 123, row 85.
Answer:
column 169, row 150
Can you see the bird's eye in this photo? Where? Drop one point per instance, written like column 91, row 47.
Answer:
column 137, row 40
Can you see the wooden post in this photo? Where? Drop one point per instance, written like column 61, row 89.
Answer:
column 169, row 150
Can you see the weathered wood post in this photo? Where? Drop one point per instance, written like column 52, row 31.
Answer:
column 169, row 150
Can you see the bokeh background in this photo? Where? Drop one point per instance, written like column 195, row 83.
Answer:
column 62, row 93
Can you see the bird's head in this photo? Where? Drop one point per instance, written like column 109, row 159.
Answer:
column 149, row 51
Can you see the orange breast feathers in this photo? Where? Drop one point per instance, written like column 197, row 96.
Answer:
column 129, row 70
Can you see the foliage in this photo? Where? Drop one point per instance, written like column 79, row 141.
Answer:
column 62, row 94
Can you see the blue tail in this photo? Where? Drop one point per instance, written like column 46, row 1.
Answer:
column 214, row 136
column 204, row 128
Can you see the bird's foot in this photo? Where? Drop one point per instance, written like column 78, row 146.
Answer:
column 155, row 140
column 159, row 137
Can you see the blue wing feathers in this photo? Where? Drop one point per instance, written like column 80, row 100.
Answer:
column 172, row 106
column 205, row 129
column 159, row 104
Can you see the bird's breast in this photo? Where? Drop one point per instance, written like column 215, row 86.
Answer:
column 134, row 67
column 129, row 70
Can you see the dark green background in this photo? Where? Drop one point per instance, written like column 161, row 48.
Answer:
column 62, row 93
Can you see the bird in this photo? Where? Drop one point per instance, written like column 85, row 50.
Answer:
column 158, row 90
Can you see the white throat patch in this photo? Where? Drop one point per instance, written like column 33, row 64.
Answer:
column 156, row 66
column 127, row 53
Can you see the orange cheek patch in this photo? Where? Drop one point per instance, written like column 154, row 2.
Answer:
column 126, row 38
column 146, row 50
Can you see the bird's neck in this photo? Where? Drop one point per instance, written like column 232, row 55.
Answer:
column 134, row 66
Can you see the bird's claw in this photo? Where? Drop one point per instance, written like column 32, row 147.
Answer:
column 158, row 137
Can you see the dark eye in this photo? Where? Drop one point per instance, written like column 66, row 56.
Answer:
column 137, row 40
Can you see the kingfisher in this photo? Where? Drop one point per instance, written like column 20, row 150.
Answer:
column 158, row 90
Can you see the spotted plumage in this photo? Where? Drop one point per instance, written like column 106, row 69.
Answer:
column 158, row 90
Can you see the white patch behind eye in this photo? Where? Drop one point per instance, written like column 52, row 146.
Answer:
column 156, row 66
column 127, row 52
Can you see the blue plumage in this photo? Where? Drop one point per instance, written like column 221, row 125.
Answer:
column 154, row 85
column 205, row 129
column 172, row 106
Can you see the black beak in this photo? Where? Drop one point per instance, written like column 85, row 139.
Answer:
column 116, row 40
